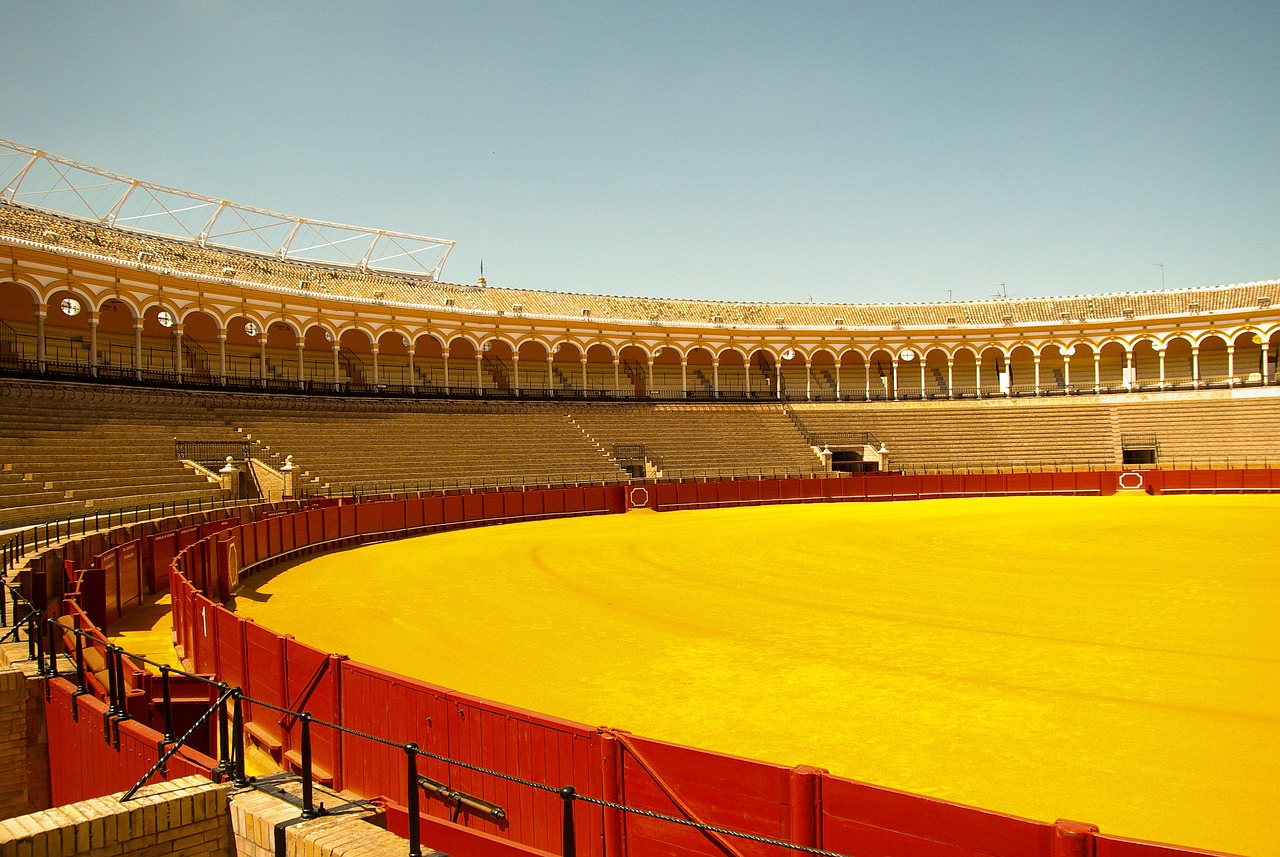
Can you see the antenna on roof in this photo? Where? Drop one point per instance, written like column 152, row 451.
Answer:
column 1003, row 293
column 481, row 280
column 1160, row 265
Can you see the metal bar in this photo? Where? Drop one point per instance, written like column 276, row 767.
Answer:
column 415, row 820
column 570, row 847
column 168, row 704
column 237, row 737
column 308, row 799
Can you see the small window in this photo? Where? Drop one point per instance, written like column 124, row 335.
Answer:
column 165, row 318
column 70, row 306
column 250, row 328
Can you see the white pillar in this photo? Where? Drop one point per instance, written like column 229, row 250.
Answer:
column 515, row 370
column 715, row 376
column 584, row 374
column 808, row 379
column 649, row 388
column 262, row 356
column 1066, row 370
column 337, row 381
column 222, row 356
column 92, row 345
column 1161, row 353
column 1097, row 372
column 1195, row 367
column 684, row 377
column 866, row 369
column 617, row 377
column 951, row 365
column 137, row 349
column 413, row 371
column 1036, row 360
column 1231, row 365
column 977, row 375
column 302, row 363
column 550, row 378
column 479, row 371
column 41, row 312
column 177, row 351
column 921, row 359
column 894, row 378
column 1128, row 369
column 838, row 379
column 444, row 354
column 373, row 350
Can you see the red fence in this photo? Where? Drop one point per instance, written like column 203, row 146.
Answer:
column 803, row 806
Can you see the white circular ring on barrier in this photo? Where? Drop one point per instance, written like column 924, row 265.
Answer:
column 1125, row 484
column 639, row 497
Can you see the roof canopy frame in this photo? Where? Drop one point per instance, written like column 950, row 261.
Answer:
column 326, row 239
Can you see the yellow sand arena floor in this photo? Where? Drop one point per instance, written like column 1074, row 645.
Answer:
column 1112, row 660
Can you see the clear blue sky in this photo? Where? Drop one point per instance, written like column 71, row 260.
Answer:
column 844, row 151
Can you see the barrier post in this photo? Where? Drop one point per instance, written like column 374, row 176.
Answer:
column 224, row 763
column 35, row 640
column 237, row 738
column 168, row 704
column 415, row 845
column 570, row 848
column 52, row 666
column 308, row 802
column 1073, row 838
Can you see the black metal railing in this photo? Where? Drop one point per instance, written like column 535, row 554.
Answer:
column 211, row 451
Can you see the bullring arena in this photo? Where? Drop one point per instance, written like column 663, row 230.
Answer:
column 287, row 512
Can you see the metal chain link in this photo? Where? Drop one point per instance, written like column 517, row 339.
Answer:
column 711, row 828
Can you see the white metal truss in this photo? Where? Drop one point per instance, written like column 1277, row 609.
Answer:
column 38, row 179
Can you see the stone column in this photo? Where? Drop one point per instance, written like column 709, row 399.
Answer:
column 617, row 378
column 1161, row 353
column 515, row 371
column 479, row 372
column 894, row 378
column 177, row 351
column 302, row 384
column 1036, row 360
column 550, row 375
column 838, row 380
column 337, row 380
column 1066, row 370
column 1097, row 372
column 649, row 387
column 41, row 312
column 1231, row 365
column 92, row 344
column 222, row 356
column 977, row 375
column 684, row 377
column 584, row 374
column 1195, row 367
column 715, row 376
column 866, row 368
column 808, row 379
column 262, row 356
column 137, row 349
column 444, row 356
column 1128, row 370
column 951, row 365
column 373, row 351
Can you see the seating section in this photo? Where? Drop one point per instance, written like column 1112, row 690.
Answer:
column 704, row 440
column 1195, row 430
column 1220, row 428
column 69, row 450
column 987, row 434
column 347, row 444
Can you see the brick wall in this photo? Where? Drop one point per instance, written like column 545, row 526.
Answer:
column 24, row 755
column 183, row 818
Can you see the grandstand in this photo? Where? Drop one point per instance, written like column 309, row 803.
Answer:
column 135, row 359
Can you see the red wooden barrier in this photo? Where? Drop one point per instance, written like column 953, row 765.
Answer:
column 712, row 788
column 312, row 683
column 863, row 819
column 82, row 765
